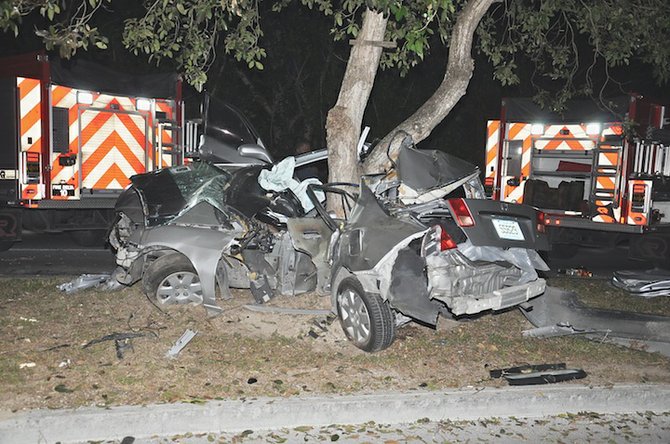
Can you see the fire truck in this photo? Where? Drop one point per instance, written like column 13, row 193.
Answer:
column 600, row 172
column 71, row 135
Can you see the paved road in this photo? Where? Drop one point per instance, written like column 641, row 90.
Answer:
column 54, row 254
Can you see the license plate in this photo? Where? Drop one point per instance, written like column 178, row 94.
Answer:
column 508, row 229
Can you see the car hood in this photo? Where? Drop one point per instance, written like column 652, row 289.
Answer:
column 162, row 196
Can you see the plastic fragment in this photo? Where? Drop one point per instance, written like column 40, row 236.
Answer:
column 83, row 282
column 181, row 343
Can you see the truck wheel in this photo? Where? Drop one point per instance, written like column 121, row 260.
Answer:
column 171, row 279
column 366, row 319
column 6, row 245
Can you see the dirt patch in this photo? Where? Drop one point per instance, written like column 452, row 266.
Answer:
column 246, row 354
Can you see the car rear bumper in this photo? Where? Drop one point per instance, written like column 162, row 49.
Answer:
column 469, row 287
column 498, row 299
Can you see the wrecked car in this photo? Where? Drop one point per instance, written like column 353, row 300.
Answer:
column 413, row 243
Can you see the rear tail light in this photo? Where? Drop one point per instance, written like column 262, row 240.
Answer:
column 541, row 222
column 436, row 240
column 488, row 186
column 461, row 213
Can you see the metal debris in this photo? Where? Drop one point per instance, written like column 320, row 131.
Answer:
column 559, row 330
column 647, row 283
column 114, row 337
column 538, row 374
column 122, row 346
column 84, row 282
column 181, row 343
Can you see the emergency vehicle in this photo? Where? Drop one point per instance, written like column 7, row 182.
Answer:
column 600, row 172
column 71, row 135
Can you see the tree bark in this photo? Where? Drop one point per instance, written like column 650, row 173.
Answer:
column 454, row 85
column 343, row 124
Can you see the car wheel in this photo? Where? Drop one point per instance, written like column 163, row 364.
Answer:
column 171, row 279
column 366, row 319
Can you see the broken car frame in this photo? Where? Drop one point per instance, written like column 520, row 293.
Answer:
column 416, row 242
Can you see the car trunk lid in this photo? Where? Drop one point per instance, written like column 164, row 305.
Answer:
column 499, row 224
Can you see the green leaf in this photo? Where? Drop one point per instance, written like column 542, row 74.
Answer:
column 180, row 7
column 100, row 44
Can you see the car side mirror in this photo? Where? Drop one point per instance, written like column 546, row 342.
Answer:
column 254, row 151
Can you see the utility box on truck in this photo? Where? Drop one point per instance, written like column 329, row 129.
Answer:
column 71, row 135
column 599, row 171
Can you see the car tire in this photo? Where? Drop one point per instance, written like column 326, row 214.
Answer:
column 367, row 320
column 171, row 279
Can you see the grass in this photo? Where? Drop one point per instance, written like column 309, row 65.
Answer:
column 600, row 293
column 244, row 354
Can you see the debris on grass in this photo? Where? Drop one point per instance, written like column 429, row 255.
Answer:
column 114, row 337
column 538, row 374
column 62, row 388
column 270, row 347
column 83, row 282
column 27, row 365
column 181, row 343
column 122, row 346
column 560, row 329
column 646, row 284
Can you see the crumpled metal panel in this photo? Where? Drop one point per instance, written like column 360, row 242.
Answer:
column 371, row 233
column 423, row 170
column 645, row 283
column 202, row 246
column 468, row 287
column 528, row 261
column 409, row 290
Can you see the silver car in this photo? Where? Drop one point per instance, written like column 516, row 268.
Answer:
column 413, row 243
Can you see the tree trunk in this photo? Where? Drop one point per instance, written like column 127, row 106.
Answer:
column 454, row 85
column 343, row 124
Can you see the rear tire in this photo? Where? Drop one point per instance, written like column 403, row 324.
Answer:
column 366, row 318
column 171, row 279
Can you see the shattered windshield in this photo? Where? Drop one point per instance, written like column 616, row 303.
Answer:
column 172, row 191
column 202, row 183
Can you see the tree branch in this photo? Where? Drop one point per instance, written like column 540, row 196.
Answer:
column 454, row 85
